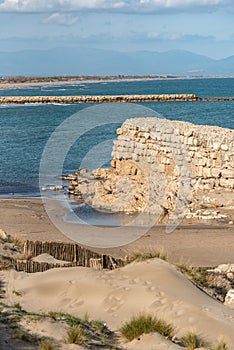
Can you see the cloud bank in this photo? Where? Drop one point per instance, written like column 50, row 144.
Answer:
column 128, row 6
column 65, row 19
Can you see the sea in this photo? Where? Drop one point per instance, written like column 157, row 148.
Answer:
column 26, row 129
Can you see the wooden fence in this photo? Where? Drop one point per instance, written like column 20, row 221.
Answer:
column 71, row 254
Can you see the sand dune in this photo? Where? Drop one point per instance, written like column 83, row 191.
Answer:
column 114, row 296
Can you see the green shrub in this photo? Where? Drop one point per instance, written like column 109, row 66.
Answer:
column 141, row 324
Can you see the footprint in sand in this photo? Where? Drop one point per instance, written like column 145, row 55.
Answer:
column 180, row 312
column 147, row 283
column 163, row 301
column 78, row 303
column 113, row 303
column 125, row 288
column 150, row 289
column 135, row 281
column 156, row 303
column 191, row 320
column 124, row 277
column 74, row 303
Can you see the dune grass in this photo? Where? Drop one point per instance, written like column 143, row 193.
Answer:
column 196, row 276
column 147, row 253
column 76, row 335
column 143, row 324
column 47, row 345
column 192, row 341
column 222, row 345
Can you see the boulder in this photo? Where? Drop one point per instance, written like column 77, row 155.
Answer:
column 229, row 299
column 3, row 235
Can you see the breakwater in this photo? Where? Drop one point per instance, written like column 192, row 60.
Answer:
column 108, row 98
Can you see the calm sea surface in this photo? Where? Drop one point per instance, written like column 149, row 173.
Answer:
column 25, row 130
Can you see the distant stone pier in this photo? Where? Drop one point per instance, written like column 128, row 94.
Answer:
column 96, row 99
column 108, row 99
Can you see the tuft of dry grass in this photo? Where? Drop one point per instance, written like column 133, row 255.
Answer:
column 143, row 324
column 196, row 276
column 76, row 335
column 222, row 345
column 47, row 345
column 192, row 341
column 147, row 253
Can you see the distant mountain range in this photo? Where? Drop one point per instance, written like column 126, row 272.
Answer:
column 89, row 61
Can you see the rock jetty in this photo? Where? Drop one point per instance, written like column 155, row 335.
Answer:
column 96, row 99
column 108, row 99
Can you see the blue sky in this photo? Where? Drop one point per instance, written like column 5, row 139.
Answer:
column 201, row 26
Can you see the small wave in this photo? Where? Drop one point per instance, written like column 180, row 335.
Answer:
column 16, row 105
column 30, row 87
column 60, row 104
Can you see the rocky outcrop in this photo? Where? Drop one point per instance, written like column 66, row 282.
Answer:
column 162, row 166
column 229, row 299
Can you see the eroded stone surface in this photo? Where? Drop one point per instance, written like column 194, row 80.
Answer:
column 164, row 166
column 229, row 299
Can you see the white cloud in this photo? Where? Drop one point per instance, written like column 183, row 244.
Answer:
column 57, row 5
column 61, row 18
column 140, row 6
column 163, row 36
column 173, row 36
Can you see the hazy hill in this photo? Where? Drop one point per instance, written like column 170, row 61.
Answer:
column 88, row 61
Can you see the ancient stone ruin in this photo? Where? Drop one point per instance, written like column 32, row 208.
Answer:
column 163, row 166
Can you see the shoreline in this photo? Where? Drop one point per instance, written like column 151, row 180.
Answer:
column 26, row 218
column 8, row 86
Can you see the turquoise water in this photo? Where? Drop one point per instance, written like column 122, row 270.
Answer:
column 24, row 130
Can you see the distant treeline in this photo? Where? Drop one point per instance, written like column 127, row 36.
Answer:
column 39, row 79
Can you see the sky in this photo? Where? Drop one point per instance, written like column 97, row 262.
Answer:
column 201, row 26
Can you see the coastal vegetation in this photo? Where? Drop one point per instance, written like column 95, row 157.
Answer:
column 143, row 324
column 47, row 345
column 88, row 333
column 147, row 253
column 67, row 78
column 191, row 341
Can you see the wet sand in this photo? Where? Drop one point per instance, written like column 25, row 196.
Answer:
column 198, row 245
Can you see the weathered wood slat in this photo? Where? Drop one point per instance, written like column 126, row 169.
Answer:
column 72, row 253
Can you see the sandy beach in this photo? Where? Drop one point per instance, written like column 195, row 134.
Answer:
column 198, row 245
column 77, row 80
column 153, row 286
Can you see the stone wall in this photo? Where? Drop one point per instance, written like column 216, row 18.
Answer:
column 160, row 166
column 204, row 154
column 177, row 159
